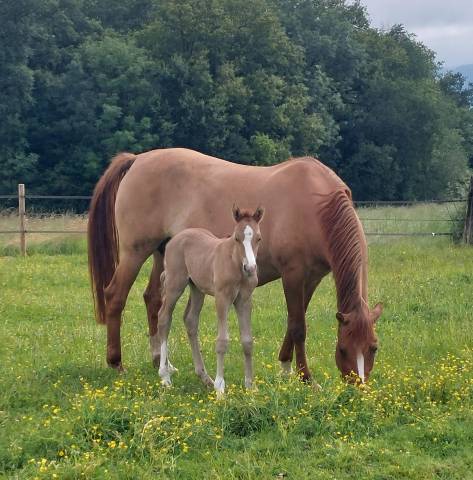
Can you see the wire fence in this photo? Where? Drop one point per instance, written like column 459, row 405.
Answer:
column 380, row 216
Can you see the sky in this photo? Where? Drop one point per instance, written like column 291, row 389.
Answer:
column 445, row 26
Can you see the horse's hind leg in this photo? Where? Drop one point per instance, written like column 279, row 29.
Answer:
column 153, row 301
column 116, row 294
column 191, row 320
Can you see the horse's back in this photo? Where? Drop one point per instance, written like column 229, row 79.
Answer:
column 167, row 191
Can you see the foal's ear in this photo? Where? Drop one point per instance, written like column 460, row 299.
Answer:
column 342, row 318
column 258, row 215
column 376, row 312
column 236, row 213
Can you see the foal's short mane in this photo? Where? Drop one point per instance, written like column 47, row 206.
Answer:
column 346, row 247
column 245, row 214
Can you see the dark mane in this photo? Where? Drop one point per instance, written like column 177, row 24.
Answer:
column 346, row 247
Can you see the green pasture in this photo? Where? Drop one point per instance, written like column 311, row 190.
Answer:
column 63, row 414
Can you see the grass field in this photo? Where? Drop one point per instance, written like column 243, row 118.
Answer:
column 63, row 414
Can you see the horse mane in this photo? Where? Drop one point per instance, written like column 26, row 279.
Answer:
column 346, row 247
column 245, row 214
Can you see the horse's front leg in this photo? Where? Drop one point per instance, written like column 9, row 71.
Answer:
column 222, row 304
column 287, row 347
column 293, row 284
column 243, row 309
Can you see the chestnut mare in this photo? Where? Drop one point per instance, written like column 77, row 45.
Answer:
column 310, row 228
column 224, row 268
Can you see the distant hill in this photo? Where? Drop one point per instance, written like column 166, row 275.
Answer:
column 466, row 71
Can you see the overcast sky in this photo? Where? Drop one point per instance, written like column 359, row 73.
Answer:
column 445, row 26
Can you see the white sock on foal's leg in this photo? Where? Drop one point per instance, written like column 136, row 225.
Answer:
column 164, row 371
column 219, row 385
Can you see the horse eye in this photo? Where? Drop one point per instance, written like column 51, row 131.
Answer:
column 342, row 351
column 374, row 348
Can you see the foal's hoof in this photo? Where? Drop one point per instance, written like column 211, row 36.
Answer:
column 166, row 382
column 207, row 381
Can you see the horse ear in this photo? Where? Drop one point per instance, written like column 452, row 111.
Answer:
column 342, row 318
column 258, row 215
column 376, row 312
column 236, row 213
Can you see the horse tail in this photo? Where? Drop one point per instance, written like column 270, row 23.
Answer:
column 102, row 232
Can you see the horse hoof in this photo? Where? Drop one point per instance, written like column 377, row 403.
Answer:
column 166, row 382
column 116, row 366
column 286, row 368
column 156, row 361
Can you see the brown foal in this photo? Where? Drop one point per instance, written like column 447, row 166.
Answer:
column 224, row 268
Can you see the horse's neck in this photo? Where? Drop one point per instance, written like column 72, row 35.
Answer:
column 352, row 285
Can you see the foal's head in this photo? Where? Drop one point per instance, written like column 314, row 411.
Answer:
column 357, row 342
column 247, row 236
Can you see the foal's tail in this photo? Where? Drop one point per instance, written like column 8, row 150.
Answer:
column 102, row 231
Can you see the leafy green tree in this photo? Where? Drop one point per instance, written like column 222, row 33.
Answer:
column 17, row 162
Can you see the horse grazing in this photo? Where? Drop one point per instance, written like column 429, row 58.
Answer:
column 224, row 268
column 310, row 228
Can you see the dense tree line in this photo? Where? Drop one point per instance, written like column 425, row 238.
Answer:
column 254, row 82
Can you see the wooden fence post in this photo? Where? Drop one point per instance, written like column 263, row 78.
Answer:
column 21, row 214
column 468, row 230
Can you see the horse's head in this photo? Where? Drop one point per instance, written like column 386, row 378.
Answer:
column 357, row 343
column 247, row 236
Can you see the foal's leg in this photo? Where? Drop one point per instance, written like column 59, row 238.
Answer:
column 293, row 284
column 173, row 290
column 152, row 298
column 115, row 298
column 191, row 320
column 223, row 338
column 287, row 347
column 243, row 310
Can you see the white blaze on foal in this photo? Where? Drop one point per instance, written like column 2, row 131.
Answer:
column 360, row 363
column 250, row 256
